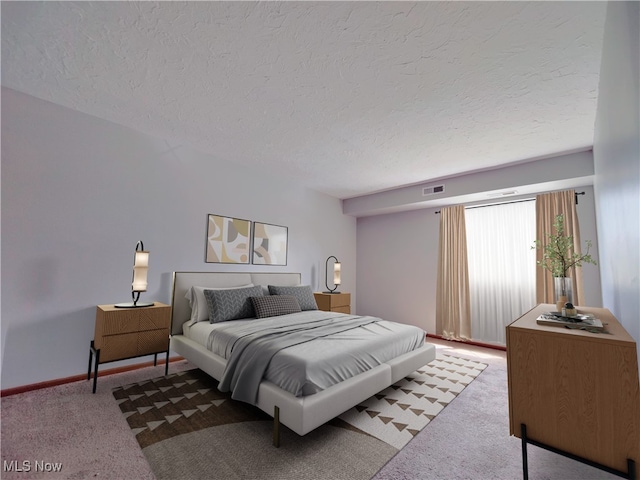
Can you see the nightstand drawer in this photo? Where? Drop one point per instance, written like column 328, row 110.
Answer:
column 113, row 321
column 116, row 347
column 152, row 341
column 333, row 302
column 135, row 344
column 131, row 332
column 346, row 309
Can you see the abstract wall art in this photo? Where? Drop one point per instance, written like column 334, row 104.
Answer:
column 269, row 244
column 228, row 240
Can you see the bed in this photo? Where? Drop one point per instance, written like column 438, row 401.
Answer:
column 307, row 404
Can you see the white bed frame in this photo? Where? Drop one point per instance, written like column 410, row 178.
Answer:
column 300, row 414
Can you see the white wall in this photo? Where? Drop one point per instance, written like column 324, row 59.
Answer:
column 397, row 267
column 616, row 152
column 402, row 286
column 78, row 192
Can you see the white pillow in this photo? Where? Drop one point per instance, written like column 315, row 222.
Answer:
column 198, row 304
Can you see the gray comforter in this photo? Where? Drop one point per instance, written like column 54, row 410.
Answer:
column 311, row 348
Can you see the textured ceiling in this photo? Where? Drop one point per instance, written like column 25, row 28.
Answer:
column 346, row 97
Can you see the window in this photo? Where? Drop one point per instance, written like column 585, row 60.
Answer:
column 502, row 276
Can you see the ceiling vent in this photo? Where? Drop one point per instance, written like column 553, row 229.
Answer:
column 432, row 190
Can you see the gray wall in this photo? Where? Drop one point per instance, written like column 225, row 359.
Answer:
column 569, row 170
column 616, row 152
column 79, row 192
column 402, row 286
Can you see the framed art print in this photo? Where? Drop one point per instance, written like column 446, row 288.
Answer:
column 228, row 240
column 269, row 244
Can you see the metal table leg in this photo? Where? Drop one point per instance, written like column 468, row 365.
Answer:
column 90, row 360
column 95, row 372
column 629, row 474
column 525, row 466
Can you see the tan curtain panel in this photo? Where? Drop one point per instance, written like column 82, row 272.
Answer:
column 548, row 206
column 453, row 316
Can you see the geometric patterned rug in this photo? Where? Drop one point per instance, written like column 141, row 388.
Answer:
column 398, row 413
column 187, row 407
column 179, row 403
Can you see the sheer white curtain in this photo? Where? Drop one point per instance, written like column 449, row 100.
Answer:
column 502, row 266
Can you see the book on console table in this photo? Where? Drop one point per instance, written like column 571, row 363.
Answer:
column 585, row 322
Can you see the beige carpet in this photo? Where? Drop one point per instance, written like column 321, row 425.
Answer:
column 188, row 429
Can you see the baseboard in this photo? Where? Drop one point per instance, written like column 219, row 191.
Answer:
column 469, row 342
column 76, row 378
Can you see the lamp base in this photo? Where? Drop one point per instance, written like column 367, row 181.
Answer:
column 332, row 292
column 134, row 305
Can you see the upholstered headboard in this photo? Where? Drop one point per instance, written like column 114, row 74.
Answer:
column 182, row 281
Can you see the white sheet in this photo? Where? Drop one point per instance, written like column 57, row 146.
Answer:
column 199, row 332
column 314, row 366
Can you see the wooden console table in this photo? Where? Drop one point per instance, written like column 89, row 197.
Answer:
column 574, row 392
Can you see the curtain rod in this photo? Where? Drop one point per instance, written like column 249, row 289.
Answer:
column 514, row 201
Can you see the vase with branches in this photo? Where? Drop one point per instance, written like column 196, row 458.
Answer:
column 559, row 256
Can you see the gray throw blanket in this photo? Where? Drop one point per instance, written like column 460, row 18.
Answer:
column 253, row 351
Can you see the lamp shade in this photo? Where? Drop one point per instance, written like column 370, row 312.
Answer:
column 336, row 273
column 139, row 281
column 141, row 259
column 140, row 268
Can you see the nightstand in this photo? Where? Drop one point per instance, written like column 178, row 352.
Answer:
column 333, row 302
column 123, row 333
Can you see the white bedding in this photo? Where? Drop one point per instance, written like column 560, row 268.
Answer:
column 313, row 366
column 301, row 414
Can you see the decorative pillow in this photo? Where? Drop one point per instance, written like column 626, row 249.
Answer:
column 303, row 294
column 198, row 304
column 275, row 305
column 231, row 304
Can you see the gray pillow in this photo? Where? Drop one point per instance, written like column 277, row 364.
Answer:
column 303, row 294
column 275, row 305
column 231, row 304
